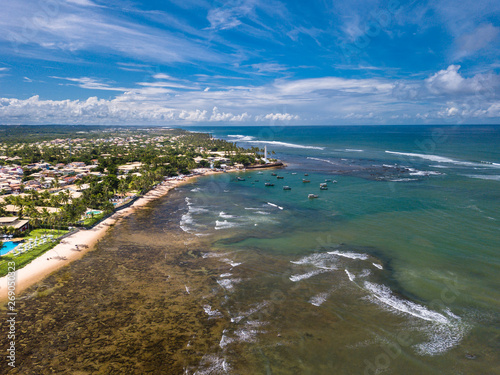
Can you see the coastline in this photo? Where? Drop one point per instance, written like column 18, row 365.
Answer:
column 66, row 251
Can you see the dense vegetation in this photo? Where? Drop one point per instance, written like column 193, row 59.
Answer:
column 158, row 152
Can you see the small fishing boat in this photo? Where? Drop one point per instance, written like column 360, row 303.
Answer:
column 260, row 172
column 306, row 174
column 328, row 180
column 294, row 172
column 311, row 196
column 240, row 179
column 305, row 181
column 273, row 174
column 287, row 188
column 323, row 188
column 322, row 184
column 280, row 177
column 268, row 184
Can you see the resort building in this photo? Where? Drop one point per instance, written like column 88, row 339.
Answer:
column 14, row 222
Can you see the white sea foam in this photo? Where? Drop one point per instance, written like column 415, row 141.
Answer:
column 320, row 260
column 248, row 313
column 484, row 176
column 378, row 266
column 213, row 255
column 226, row 275
column 223, row 215
column 188, row 201
column 186, row 221
column 350, row 275
column 195, row 190
column 262, row 212
column 232, row 263
column 187, row 289
column 241, row 138
column 324, row 160
column 442, row 337
column 384, row 295
column 425, row 173
column 403, row 179
column 225, row 340
column 307, row 275
column 246, row 335
column 228, row 284
column 274, row 205
column 349, row 254
column 443, row 159
column 196, row 210
column 212, row 313
column 437, row 158
column 211, row 364
column 365, row 273
column 291, row 145
column 353, row 150
column 224, row 224
column 319, row 299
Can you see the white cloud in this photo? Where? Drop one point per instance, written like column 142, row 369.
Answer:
column 450, row 82
column 477, row 40
column 194, row 116
column 225, row 117
column 222, row 19
column 3, row 69
column 91, row 83
column 445, row 95
column 162, row 76
column 82, row 2
column 277, row 117
column 269, row 67
column 61, row 28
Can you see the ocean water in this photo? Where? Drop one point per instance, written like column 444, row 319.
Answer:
column 393, row 269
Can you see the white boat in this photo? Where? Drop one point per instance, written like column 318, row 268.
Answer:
column 311, row 196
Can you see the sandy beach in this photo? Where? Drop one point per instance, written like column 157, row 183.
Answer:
column 78, row 244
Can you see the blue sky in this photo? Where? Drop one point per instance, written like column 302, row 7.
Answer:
column 194, row 62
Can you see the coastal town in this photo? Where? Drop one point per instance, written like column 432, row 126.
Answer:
column 56, row 184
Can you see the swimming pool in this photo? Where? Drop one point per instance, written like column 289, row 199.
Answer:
column 94, row 212
column 8, row 246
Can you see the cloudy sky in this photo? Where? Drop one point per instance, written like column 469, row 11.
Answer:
column 249, row 62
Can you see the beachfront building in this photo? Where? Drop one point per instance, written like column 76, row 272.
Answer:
column 14, row 222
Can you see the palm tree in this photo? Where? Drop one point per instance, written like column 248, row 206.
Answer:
column 19, row 202
column 33, row 214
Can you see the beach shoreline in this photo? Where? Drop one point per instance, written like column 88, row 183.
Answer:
column 80, row 243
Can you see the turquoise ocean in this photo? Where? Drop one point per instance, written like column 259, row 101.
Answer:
column 393, row 269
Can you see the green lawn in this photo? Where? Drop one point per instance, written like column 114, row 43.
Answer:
column 91, row 221
column 25, row 258
column 39, row 232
